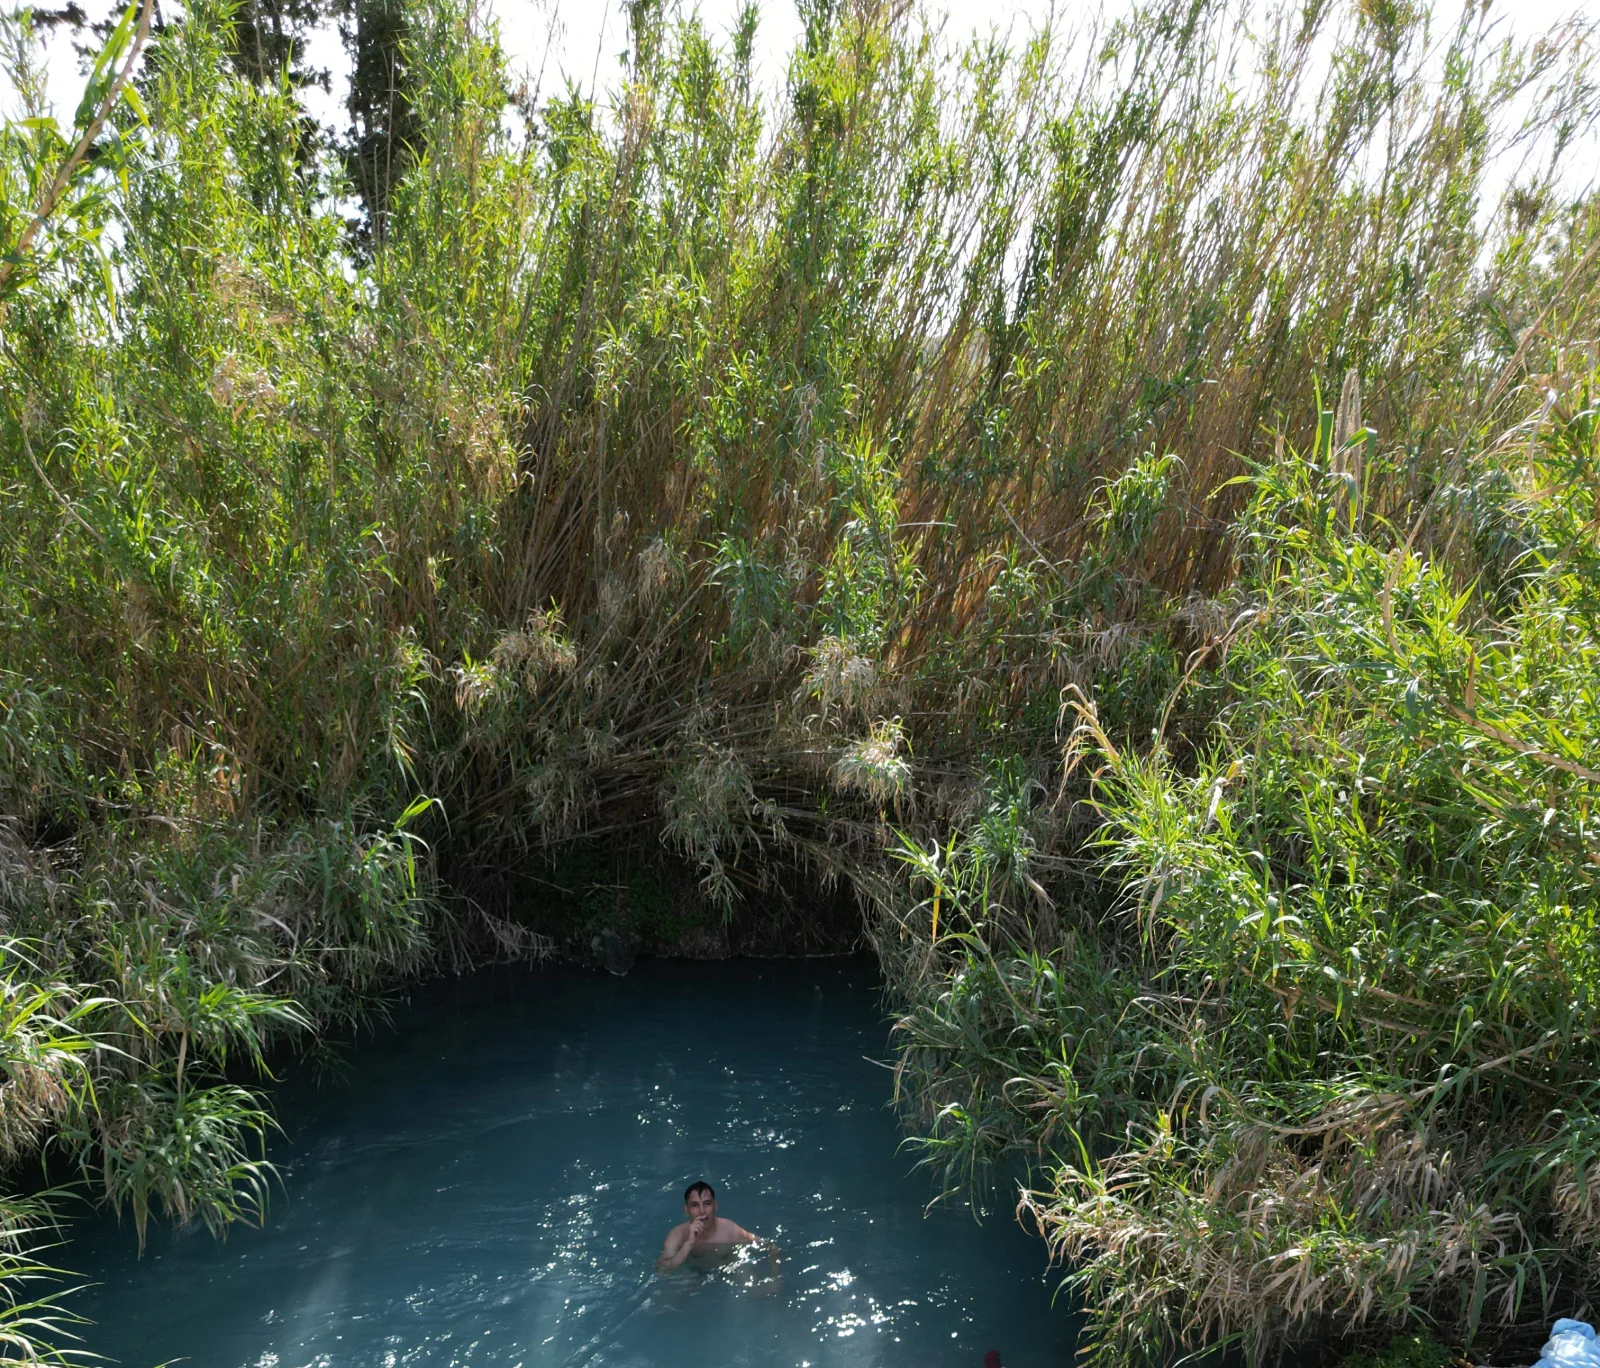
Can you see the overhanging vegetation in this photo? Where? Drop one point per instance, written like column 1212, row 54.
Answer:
column 932, row 482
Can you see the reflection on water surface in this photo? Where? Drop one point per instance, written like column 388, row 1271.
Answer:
column 490, row 1183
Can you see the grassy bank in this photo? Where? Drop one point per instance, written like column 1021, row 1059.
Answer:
column 1120, row 504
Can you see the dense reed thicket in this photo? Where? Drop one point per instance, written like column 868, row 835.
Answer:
column 1332, row 1061
column 813, row 486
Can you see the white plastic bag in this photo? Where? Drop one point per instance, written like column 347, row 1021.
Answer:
column 1572, row 1344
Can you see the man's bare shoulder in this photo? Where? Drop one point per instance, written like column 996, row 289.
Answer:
column 678, row 1232
column 729, row 1232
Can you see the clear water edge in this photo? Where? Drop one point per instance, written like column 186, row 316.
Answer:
column 490, row 1180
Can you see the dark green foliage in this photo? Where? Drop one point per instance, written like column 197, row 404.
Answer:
column 1404, row 1351
column 385, row 136
column 589, row 888
column 270, row 38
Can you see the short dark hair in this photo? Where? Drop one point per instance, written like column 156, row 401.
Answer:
column 701, row 1186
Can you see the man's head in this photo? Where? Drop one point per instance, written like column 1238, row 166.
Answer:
column 700, row 1201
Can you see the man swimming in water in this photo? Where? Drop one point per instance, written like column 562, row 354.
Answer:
column 705, row 1240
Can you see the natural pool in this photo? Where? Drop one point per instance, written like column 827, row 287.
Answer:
column 489, row 1182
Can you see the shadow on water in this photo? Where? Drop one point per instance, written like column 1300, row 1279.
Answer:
column 489, row 1180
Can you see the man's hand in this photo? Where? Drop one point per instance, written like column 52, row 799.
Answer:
column 672, row 1256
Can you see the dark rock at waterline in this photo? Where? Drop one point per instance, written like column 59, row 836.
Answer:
column 615, row 954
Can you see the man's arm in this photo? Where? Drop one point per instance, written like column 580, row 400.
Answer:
column 679, row 1241
column 673, row 1252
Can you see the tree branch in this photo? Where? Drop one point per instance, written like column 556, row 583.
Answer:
column 51, row 199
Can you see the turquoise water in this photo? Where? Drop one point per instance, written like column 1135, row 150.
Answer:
column 489, row 1182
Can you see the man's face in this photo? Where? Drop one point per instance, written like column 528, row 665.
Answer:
column 700, row 1205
